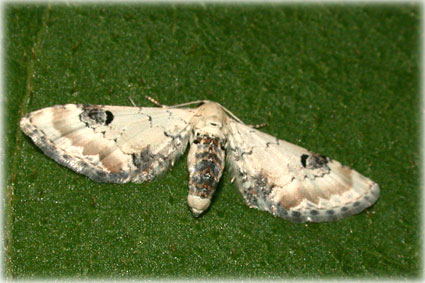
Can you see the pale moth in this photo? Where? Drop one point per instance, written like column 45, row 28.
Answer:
column 119, row 144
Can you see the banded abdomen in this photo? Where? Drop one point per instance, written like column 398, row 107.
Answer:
column 206, row 164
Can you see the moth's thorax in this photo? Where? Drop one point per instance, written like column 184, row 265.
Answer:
column 209, row 119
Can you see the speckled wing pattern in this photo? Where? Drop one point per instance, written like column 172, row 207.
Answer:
column 112, row 144
column 292, row 182
column 118, row 144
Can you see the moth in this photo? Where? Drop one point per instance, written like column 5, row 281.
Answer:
column 119, row 144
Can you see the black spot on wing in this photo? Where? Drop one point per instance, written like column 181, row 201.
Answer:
column 304, row 160
column 109, row 117
column 96, row 117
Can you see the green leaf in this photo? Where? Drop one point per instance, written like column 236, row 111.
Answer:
column 339, row 80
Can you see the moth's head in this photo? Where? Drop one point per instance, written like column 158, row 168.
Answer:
column 209, row 118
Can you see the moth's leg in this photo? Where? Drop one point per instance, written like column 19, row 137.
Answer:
column 257, row 126
column 132, row 102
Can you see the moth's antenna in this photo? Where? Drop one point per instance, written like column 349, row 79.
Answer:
column 256, row 126
column 154, row 101
column 190, row 103
column 175, row 106
column 232, row 115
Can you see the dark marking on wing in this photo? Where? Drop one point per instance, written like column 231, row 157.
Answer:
column 93, row 117
column 313, row 161
column 143, row 160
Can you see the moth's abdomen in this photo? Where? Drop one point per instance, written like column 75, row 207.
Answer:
column 206, row 164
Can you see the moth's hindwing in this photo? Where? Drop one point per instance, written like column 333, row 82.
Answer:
column 110, row 143
column 292, row 182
